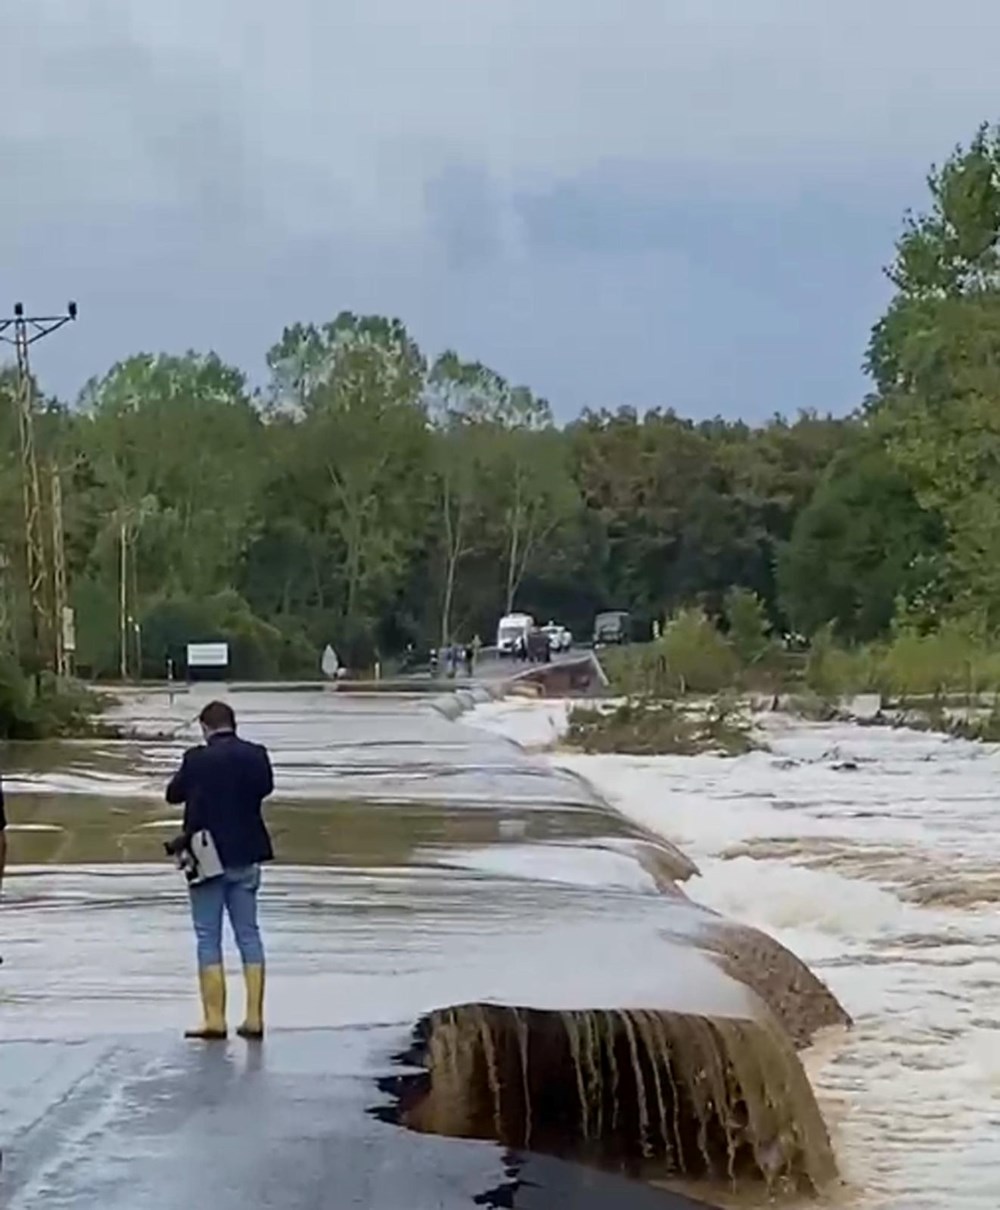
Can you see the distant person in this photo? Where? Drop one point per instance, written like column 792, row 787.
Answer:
column 223, row 784
column 434, row 661
column 470, row 660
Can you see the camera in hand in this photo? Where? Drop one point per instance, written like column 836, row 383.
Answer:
column 179, row 848
column 175, row 847
column 195, row 856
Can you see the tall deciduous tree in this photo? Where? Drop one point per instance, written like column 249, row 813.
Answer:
column 461, row 401
column 935, row 357
column 364, row 435
column 858, row 547
column 534, row 493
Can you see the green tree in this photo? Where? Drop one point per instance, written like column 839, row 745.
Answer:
column 638, row 478
column 534, row 491
column 173, row 445
column 935, row 358
column 504, row 472
column 748, row 625
column 462, row 402
column 695, row 655
column 362, row 447
column 862, row 543
column 946, row 254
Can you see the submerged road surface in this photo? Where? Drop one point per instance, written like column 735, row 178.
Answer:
column 424, row 865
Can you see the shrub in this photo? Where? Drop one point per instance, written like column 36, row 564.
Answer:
column 695, row 656
column 639, row 671
column 640, row 727
column 17, row 720
column 749, row 629
column 58, row 708
column 953, row 659
column 833, row 671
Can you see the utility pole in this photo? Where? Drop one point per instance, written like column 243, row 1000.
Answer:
column 60, row 595
column 22, row 331
column 123, row 618
column 7, row 633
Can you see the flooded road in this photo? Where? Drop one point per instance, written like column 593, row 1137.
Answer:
column 873, row 855
column 440, row 892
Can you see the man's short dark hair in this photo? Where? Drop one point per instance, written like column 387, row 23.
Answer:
column 217, row 716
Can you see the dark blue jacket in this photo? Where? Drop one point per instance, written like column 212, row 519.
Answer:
column 223, row 785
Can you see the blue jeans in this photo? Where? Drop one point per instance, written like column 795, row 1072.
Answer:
column 236, row 893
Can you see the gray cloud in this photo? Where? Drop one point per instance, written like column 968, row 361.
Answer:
column 585, row 192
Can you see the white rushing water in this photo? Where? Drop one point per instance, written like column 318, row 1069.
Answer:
column 874, row 855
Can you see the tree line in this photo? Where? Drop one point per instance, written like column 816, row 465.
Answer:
column 374, row 499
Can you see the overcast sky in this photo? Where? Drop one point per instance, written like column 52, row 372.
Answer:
column 656, row 202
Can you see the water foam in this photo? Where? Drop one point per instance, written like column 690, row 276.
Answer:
column 869, row 853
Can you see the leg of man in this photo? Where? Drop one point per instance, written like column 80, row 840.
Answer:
column 241, row 904
column 207, row 901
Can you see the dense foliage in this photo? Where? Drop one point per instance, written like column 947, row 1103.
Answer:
column 369, row 499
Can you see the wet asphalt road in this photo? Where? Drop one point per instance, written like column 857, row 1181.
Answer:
column 290, row 1125
column 401, row 892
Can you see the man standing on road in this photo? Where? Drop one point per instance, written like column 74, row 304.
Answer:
column 223, row 784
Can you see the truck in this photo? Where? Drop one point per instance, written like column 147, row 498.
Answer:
column 613, row 626
column 512, row 632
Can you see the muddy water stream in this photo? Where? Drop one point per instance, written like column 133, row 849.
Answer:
column 559, row 990
column 873, row 855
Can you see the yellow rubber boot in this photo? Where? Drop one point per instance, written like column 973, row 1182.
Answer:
column 253, row 1026
column 212, row 980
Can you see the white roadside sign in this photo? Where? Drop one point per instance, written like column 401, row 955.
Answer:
column 330, row 664
column 208, row 655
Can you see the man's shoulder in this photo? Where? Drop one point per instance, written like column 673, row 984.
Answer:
column 239, row 748
column 248, row 746
column 232, row 749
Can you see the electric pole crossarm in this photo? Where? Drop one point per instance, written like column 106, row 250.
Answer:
column 30, row 328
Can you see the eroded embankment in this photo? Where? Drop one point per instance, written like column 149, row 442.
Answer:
column 663, row 1093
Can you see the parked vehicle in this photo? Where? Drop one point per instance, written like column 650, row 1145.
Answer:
column 512, row 632
column 614, row 626
column 559, row 637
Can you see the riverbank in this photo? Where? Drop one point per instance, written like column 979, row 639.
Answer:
column 868, row 851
